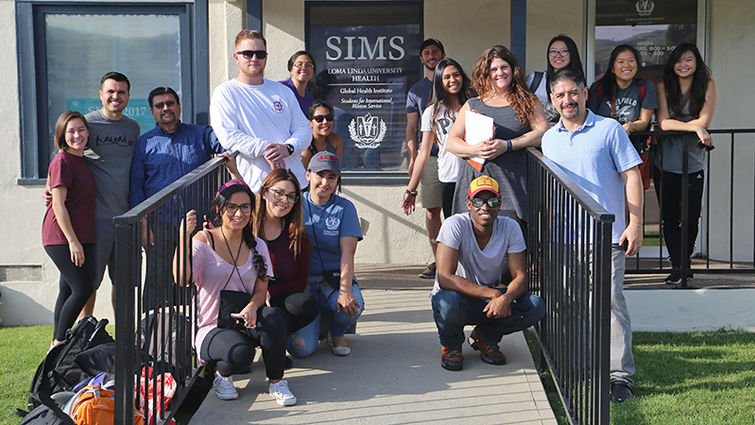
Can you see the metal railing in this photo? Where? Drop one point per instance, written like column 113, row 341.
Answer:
column 712, row 262
column 569, row 252
column 155, row 324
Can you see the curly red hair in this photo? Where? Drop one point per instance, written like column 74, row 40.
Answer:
column 520, row 98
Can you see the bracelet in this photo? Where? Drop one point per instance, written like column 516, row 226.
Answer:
column 410, row 193
column 508, row 145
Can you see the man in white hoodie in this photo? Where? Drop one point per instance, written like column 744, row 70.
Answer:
column 258, row 117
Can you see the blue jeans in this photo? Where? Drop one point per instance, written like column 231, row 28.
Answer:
column 304, row 342
column 452, row 311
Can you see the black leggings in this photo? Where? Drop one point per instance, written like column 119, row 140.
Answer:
column 75, row 286
column 447, row 198
column 670, row 197
column 298, row 308
column 233, row 351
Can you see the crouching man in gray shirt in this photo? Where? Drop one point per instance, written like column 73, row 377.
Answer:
column 472, row 248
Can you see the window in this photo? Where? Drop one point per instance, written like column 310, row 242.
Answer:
column 73, row 46
column 653, row 28
column 367, row 56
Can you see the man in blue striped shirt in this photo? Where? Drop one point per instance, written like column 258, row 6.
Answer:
column 161, row 156
column 170, row 150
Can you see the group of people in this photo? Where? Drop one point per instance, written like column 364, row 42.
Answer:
column 274, row 264
column 588, row 132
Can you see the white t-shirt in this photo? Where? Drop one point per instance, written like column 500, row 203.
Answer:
column 480, row 266
column 540, row 90
column 448, row 163
column 249, row 117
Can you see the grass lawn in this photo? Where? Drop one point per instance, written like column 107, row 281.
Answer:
column 22, row 349
column 686, row 378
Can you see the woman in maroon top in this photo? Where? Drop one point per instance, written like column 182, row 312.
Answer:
column 278, row 221
column 68, row 226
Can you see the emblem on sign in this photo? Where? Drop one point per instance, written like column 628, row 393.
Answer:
column 367, row 131
column 644, row 7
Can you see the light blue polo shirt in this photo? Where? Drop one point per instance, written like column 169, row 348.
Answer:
column 594, row 156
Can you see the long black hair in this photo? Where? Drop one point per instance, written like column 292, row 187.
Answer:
column 439, row 95
column 608, row 80
column 575, row 62
column 700, row 80
column 218, row 204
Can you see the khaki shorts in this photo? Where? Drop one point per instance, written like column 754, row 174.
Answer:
column 429, row 187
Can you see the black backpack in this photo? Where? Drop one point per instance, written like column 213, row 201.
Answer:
column 59, row 370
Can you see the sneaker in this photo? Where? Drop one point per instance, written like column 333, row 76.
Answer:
column 340, row 350
column 451, row 358
column 674, row 278
column 429, row 272
column 620, row 392
column 282, row 395
column 490, row 353
column 224, row 388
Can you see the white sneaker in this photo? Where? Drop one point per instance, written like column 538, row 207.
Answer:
column 282, row 395
column 339, row 350
column 224, row 388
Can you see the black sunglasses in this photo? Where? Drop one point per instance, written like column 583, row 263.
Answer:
column 249, row 54
column 493, row 202
column 167, row 103
column 319, row 118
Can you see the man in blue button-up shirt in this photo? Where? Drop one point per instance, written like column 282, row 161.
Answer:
column 163, row 155
column 170, row 150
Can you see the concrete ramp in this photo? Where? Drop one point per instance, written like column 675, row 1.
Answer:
column 393, row 376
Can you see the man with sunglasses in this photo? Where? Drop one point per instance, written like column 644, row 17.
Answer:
column 596, row 152
column 161, row 156
column 170, row 150
column 258, row 117
column 473, row 252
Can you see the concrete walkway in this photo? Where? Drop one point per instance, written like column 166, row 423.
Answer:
column 393, row 376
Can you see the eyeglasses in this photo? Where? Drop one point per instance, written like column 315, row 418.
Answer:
column 561, row 52
column 168, row 103
column 307, row 65
column 231, row 209
column 320, row 118
column 279, row 195
column 493, row 202
column 249, row 54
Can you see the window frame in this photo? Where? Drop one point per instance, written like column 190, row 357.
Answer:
column 32, row 69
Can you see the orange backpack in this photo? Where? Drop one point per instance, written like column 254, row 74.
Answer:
column 94, row 406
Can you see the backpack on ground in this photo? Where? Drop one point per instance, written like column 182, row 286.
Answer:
column 94, row 405
column 47, row 413
column 59, row 370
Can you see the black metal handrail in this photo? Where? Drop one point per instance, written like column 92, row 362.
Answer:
column 726, row 265
column 154, row 324
column 569, row 252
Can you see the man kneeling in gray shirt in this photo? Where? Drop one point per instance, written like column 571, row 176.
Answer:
column 472, row 248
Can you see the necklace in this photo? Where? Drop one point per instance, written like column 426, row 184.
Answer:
column 238, row 252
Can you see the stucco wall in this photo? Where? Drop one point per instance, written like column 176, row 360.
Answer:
column 731, row 35
column 466, row 29
column 226, row 19
column 546, row 19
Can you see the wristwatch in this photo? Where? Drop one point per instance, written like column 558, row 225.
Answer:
column 290, row 148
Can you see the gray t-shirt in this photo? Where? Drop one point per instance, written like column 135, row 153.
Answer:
column 673, row 147
column 111, row 147
column 480, row 266
column 629, row 101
